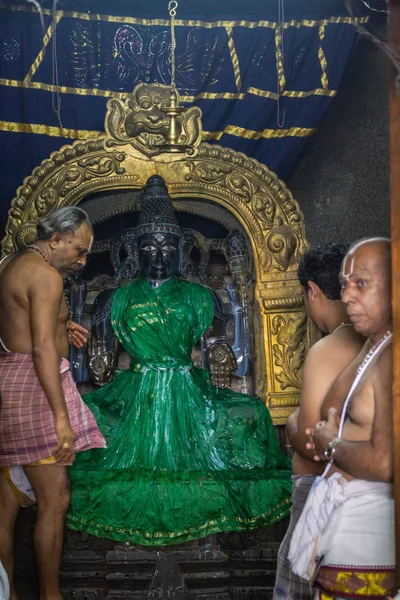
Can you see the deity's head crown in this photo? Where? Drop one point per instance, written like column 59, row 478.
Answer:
column 156, row 213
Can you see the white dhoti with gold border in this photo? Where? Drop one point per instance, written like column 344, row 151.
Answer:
column 345, row 539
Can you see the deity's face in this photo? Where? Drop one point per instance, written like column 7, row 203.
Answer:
column 158, row 255
column 366, row 289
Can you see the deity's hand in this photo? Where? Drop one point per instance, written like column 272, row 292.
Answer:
column 101, row 362
column 222, row 363
column 76, row 334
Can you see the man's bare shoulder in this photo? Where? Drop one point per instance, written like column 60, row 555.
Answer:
column 30, row 271
column 347, row 336
column 6, row 260
column 325, row 361
column 344, row 341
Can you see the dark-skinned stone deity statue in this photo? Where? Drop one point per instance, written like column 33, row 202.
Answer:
column 185, row 456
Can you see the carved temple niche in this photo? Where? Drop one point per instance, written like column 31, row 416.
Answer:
column 207, row 182
column 216, row 253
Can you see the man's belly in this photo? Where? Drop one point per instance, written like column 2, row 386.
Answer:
column 19, row 340
column 352, row 432
column 335, row 469
column 63, row 349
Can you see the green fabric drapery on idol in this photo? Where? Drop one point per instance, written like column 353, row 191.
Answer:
column 184, row 459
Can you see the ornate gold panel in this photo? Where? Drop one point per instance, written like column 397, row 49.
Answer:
column 247, row 189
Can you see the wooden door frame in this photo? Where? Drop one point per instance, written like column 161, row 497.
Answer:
column 394, row 40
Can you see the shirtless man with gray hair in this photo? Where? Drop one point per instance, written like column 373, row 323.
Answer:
column 43, row 420
column 345, row 535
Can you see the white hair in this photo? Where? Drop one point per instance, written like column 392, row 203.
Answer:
column 62, row 220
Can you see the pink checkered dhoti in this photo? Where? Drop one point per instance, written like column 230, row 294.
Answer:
column 27, row 432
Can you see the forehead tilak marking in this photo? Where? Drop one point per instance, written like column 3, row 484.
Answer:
column 352, row 254
column 349, row 273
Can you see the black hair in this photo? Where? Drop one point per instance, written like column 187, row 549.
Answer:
column 322, row 266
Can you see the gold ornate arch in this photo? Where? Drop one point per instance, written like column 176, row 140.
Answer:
column 192, row 170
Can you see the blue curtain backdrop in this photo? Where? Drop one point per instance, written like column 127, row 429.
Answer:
column 263, row 86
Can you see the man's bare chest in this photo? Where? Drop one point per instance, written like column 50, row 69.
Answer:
column 63, row 315
column 361, row 407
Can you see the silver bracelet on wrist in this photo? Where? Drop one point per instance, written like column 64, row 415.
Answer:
column 329, row 453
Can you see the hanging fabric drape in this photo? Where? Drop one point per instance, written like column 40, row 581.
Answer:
column 241, row 73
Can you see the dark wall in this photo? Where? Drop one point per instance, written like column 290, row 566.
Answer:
column 342, row 183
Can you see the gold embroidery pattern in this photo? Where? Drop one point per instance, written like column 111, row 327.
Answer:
column 145, row 319
column 343, row 580
column 46, row 38
column 325, row 22
column 214, row 96
column 207, row 135
column 47, row 130
column 47, row 87
column 190, row 22
column 356, row 582
column 250, row 134
column 291, row 93
column 279, row 511
column 228, row 25
column 316, row 92
column 142, row 305
column 325, row 596
column 279, row 58
column 322, row 59
column 234, row 58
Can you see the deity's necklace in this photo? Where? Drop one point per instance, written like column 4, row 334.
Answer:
column 43, row 255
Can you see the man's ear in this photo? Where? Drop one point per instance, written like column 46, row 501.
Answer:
column 314, row 291
column 55, row 240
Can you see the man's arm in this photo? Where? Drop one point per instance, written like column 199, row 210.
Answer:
column 291, row 424
column 318, row 375
column 45, row 295
column 370, row 460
